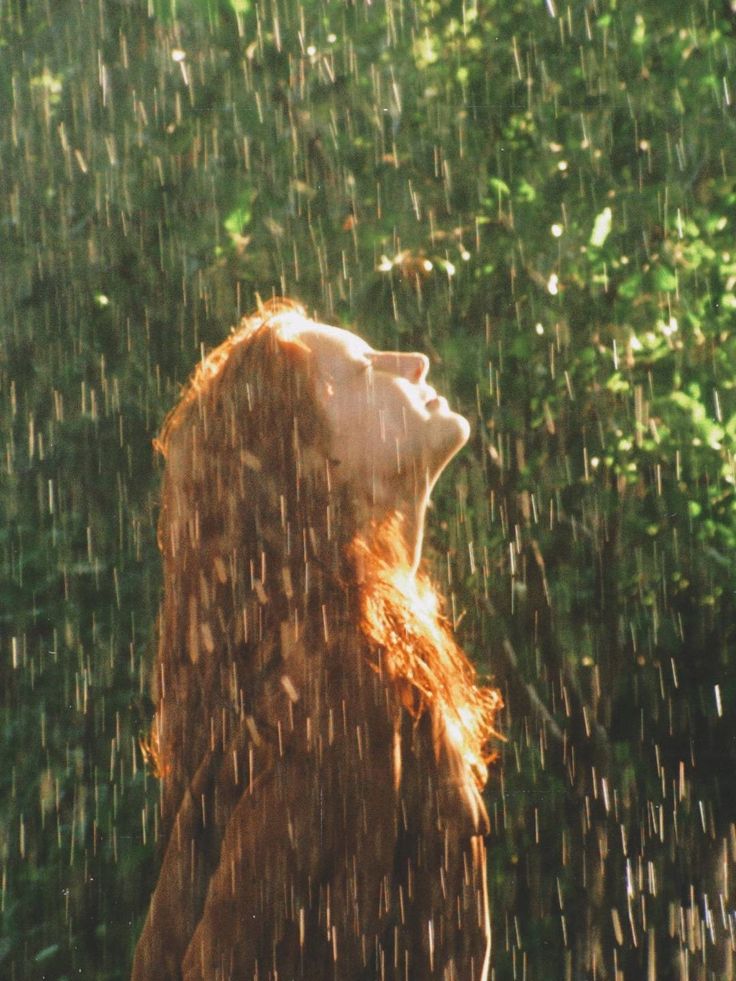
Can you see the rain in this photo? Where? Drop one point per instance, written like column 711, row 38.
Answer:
column 540, row 197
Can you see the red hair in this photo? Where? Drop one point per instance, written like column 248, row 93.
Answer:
column 242, row 533
column 402, row 612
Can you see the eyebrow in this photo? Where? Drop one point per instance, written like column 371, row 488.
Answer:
column 369, row 353
column 363, row 361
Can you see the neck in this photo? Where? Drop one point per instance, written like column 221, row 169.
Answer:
column 412, row 512
column 413, row 529
column 406, row 496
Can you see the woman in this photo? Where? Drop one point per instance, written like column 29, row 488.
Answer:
column 320, row 738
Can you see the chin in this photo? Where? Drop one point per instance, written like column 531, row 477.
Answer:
column 450, row 432
column 454, row 422
column 463, row 428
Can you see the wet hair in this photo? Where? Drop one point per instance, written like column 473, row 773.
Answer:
column 261, row 552
column 247, row 536
column 401, row 611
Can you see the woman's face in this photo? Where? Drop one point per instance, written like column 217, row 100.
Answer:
column 390, row 429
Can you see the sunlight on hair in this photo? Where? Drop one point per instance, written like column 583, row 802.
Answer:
column 151, row 753
column 401, row 612
column 268, row 314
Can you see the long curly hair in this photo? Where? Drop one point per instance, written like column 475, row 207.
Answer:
column 262, row 555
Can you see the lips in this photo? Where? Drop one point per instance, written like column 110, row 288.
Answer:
column 432, row 400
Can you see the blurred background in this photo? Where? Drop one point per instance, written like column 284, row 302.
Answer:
column 540, row 195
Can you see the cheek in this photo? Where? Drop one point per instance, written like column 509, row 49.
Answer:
column 357, row 410
column 393, row 423
column 364, row 437
column 349, row 413
column 376, row 430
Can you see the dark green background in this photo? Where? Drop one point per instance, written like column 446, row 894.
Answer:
column 541, row 197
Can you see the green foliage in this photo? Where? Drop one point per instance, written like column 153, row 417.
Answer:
column 542, row 202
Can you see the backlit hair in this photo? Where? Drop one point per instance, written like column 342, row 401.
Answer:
column 402, row 612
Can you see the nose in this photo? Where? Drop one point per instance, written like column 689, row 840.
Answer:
column 413, row 366
column 422, row 367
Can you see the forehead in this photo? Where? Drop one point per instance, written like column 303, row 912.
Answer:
column 325, row 341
